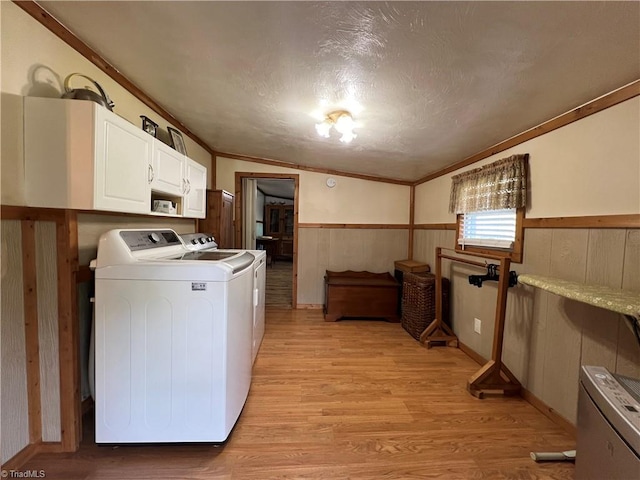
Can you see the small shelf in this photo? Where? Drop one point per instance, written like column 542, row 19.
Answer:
column 162, row 214
column 177, row 201
column 625, row 302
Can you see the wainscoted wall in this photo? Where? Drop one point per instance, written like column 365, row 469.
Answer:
column 548, row 337
column 14, row 412
column 338, row 249
column 47, row 273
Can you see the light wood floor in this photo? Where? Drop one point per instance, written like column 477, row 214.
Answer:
column 279, row 284
column 352, row 399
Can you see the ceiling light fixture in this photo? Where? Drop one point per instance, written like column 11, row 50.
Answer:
column 342, row 121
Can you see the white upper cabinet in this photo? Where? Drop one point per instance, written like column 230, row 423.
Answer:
column 168, row 169
column 195, row 197
column 80, row 155
column 122, row 159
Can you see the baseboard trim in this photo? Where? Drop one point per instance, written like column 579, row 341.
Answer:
column 549, row 412
column 50, row 447
column 475, row 356
column 22, row 457
column 27, row 453
column 538, row 404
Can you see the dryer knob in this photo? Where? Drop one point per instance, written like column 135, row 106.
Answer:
column 201, row 240
column 194, row 241
column 154, row 238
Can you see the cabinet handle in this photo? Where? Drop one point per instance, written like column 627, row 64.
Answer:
column 184, row 186
column 188, row 186
column 151, row 174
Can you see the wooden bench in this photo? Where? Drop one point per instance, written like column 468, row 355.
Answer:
column 360, row 295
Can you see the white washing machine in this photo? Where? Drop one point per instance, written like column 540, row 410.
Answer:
column 206, row 242
column 608, row 439
column 173, row 339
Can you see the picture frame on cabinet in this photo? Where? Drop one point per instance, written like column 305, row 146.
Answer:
column 149, row 126
column 177, row 142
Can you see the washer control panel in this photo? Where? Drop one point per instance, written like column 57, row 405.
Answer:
column 198, row 241
column 145, row 239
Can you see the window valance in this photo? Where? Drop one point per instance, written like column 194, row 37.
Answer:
column 499, row 185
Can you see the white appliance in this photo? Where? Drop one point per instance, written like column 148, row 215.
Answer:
column 173, row 339
column 205, row 242
column 608, row 439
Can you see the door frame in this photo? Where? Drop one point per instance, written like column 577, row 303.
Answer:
column 239, row 220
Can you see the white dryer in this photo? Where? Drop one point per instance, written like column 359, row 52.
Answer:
column 173, row 339
column 200, row 242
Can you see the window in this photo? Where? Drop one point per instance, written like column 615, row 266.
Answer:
column 479, row 239
column 490, row 203
column 492, row 228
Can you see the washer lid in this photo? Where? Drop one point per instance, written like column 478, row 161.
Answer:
column 238, row 260
column 208, row 255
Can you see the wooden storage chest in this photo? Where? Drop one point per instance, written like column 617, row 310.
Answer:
column 360, row 295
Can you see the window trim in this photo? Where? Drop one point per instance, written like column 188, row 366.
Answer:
column 515, row 253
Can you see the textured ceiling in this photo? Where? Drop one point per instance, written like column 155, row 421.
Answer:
column 428, row 83
column 281, row 188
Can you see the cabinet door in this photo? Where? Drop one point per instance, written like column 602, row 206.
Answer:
column 286, row 247
column 219, row 220
column 168, row 170
column 226, row 221
column 273, row 220
column 122, row 165
column 196, row 178
column 287, row 227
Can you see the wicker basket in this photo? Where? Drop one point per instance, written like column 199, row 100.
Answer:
column 419, row 302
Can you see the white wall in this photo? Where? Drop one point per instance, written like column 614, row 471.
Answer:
column 589, row 167
column 352, row 200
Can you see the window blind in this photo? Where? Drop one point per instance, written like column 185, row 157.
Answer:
column 489, row 228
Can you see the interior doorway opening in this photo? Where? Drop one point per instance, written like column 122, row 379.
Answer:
column 267, row 219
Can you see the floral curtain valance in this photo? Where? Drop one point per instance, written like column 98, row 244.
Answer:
column 499, row 185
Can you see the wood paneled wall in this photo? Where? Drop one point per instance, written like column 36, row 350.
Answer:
column 47, row 274
column 31, row 378
column 14, row 412
column 39, row 314
column 548, row 338
column 338, row 249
